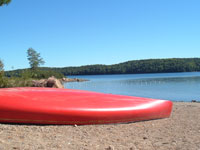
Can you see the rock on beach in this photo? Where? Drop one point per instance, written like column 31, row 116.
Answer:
column 51, row 82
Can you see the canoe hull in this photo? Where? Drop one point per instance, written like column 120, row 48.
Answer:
column 66, row 106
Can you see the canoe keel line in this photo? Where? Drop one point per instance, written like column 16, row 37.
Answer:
column 67, row 106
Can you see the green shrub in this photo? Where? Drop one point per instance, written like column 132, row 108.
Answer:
column 19, row 82
column 37, row 74
column 3, row 81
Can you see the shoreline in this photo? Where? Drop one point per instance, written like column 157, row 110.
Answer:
column 180, row 131
column 73, row 80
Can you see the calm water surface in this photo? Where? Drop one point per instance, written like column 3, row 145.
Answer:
column 169, row 86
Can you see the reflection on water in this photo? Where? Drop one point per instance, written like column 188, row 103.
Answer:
column 171, row 86
column 172, row 80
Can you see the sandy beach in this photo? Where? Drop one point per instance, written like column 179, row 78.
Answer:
column 179, row 132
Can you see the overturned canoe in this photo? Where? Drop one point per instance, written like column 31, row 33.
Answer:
column 67, row 106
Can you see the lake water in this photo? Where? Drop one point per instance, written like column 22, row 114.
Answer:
column 168, row 86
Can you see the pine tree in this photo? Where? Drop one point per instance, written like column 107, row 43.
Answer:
column 3, row 2
column 34, row 58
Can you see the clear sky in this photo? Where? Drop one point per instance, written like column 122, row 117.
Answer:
column 83, row 32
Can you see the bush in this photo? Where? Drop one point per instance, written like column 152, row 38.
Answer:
column 3, row 81
column 40, row 74
column 19, row 82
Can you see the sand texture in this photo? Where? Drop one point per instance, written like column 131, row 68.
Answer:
column 179, row 132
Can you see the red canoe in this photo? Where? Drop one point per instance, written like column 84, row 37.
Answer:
column 67, row 106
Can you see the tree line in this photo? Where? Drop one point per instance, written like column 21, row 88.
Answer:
column 129, row 67
column 34, row 72
column 24, row 77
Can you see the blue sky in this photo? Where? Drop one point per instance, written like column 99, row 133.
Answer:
column 83, row 32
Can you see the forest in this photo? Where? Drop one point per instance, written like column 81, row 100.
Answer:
column 129, row 67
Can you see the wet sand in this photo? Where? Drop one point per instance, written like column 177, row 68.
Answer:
column 179, row 132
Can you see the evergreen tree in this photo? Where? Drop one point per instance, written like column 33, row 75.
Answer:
column 3, row 80
column 34, row 58
column 3, row 2
column 1, row 66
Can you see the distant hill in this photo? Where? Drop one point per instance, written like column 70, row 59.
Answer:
column 129, row 67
